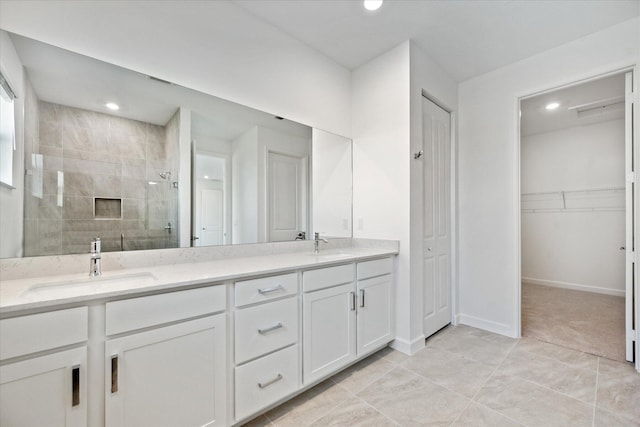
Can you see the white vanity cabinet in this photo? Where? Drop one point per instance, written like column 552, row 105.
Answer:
column 345, row 315
column 50, row 388
column 266, row 334
column 329, row 320
column 167, row 364
column 375, row 312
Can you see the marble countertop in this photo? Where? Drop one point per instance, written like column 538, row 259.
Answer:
column 50, row 291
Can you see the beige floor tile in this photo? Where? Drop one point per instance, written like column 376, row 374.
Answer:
column 575, row 382
column 472, row 343
column 563, row 354
column 450, row 370
column 353, row 412
column 397, row 381
column 477, row 415
column 607, row 419
column 261, row 421
column 619, row 389
column 392, row 355
column 533, row 405
column 309, row 406
column 486, row 335
column 429, row 405
column 363, row 373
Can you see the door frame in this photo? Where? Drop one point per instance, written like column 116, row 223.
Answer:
column 517, row 199
column 227, row 229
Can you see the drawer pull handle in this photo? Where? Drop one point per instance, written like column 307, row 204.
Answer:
column 75, row 385
column 267, row 291
column 268, row 383
column 361, row 297
column 114, row 374
column 267, row 330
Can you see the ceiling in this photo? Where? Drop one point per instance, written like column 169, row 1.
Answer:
column 582, row 104
column 465, row 37
column 67, row 78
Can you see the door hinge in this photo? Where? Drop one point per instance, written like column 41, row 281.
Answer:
column 632, row 256
column 631, row 335
column 631, row 177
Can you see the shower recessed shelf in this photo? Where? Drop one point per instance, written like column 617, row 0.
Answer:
column 107, row 208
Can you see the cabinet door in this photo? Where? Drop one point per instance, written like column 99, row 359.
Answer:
column 329, row 338
column 170, row 376
column 375, row 320
column 45, row 391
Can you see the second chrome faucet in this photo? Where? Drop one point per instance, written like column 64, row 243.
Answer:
column 95, row 258
column 316, row 242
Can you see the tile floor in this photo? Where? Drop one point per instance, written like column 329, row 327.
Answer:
column 469, row 377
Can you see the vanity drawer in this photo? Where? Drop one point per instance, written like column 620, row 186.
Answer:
column 265, row 381
column 377, row 267
column 44, row 331
column 143, row 312
column 265, row 289
column 265, row 328
column 314, row 280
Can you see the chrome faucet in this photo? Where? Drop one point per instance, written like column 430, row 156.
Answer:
column 95, row 256
column 316, row 242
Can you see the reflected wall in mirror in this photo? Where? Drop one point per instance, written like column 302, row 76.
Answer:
column 115, row 173
column 332, row 184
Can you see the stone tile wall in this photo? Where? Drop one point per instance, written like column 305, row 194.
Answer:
column 98, row 155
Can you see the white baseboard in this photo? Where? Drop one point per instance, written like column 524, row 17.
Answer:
column 408, row 347
column 487, row 325
column 574, row 286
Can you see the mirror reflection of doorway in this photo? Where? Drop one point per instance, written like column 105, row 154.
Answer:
column 211, row 199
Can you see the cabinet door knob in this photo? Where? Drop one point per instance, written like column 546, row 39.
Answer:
column 75, row 385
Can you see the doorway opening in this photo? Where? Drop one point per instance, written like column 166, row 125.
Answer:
column 576, row 217
column 211, row 199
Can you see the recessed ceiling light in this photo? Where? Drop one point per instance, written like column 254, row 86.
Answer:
column 372, row 4
column 552, row 106
column 206, row 177
column 112, row 106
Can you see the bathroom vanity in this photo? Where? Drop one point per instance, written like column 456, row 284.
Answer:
column 212, row 342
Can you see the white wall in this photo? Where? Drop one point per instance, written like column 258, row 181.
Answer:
column 488, row 176
column 332, row 189
column 387, row 201
column 12, row 199
column 221, row 50
column 380, row 103
column 573, row 248
column 244, row 187
column 575, row 158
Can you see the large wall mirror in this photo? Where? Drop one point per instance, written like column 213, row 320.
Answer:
column 145, row 164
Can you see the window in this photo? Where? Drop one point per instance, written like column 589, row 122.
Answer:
column 7, row 132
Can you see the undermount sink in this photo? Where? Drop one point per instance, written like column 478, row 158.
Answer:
column 103, row 281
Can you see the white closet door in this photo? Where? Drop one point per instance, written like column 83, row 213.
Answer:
column 436, row 142
column 285, row 197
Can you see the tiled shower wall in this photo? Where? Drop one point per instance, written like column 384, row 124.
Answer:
column 88, row 155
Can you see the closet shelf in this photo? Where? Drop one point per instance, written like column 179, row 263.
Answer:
column 588, row 200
